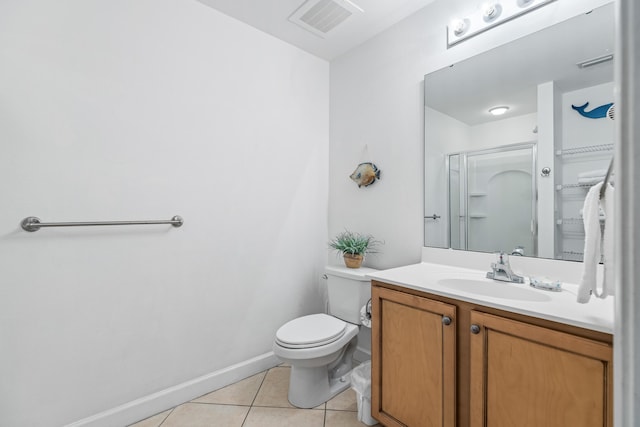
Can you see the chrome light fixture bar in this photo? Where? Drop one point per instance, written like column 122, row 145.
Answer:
column 491, row 14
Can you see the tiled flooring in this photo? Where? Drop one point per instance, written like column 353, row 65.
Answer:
column 258, row 401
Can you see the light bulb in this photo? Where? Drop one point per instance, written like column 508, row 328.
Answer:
column 491, row 11
column 459, row 26
column 498, row 111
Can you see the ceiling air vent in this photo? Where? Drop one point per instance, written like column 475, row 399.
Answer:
column 322, row 16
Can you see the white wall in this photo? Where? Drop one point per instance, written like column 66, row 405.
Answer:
column 512, row 130
column 448, row 137
column 377, row 99
column 116, row 110
column 549, row 139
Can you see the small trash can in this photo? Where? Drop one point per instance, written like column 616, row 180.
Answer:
column 361, row 383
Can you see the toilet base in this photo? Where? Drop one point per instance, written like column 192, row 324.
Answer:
column 313, row 386
column 301, row 396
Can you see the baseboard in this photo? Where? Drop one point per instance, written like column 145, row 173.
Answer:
column 362, row 355
column 152, row 404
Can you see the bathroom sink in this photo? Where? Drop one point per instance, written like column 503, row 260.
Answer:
column 494, row 289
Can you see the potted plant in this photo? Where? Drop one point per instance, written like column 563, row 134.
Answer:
column 353, row 247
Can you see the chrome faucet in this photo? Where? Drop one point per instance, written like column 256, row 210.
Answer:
column 518, row 250
column 501, row 270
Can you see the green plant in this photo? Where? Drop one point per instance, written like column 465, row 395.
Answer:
column 352, row 243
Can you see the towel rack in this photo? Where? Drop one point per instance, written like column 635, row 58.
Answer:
column 32, row 223
column 586, row 149
column 603, row 189
column 576, row 185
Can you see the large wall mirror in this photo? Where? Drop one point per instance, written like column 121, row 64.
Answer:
column 516, row 182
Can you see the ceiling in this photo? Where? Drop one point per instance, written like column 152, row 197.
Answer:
column 272, row 17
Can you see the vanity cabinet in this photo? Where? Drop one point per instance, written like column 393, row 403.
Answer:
column 439, row 361
column 525, row 375
column 413, row 369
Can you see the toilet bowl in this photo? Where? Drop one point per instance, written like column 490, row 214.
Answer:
column 320, row 347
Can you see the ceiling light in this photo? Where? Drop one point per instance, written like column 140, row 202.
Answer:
column 525, row 3
column 459, row 26
column 498, row 111
column 491, row 11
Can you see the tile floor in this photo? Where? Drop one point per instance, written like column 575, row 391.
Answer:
column 258, row 401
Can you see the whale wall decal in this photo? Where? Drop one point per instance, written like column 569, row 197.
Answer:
column 597, row 113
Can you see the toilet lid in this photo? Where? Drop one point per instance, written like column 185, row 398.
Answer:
column 310, row 331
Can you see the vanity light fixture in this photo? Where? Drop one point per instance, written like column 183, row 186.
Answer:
column 498, row 111
column 488, row 16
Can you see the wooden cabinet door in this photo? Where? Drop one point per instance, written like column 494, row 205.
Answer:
column 528, row 376
column 413, row 360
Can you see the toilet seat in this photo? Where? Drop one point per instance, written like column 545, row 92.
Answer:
column 310, row 331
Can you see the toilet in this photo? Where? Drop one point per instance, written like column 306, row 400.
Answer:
column 320, row 347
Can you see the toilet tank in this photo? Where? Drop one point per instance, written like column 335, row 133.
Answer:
column 349, row 290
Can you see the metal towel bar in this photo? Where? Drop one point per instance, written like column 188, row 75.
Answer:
column 32, row 223
column 603, row 189
column 586, row 149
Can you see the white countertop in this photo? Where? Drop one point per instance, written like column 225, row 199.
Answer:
column 473, row 286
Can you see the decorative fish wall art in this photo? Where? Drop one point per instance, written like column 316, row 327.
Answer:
column 365, row 174
column 597, row 113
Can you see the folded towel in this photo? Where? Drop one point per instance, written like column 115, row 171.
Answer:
column 593, row 243
column 592, row 173
column 592, row 238
column 601, row 214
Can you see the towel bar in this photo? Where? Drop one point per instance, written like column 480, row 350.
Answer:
column 32, row 223
column 603, row 189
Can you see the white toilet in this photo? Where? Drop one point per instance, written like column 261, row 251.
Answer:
column 320, row 347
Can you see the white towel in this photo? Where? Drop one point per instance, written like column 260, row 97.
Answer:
column 592, row 244
column 600, row 213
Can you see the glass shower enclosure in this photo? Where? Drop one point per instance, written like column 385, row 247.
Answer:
column 492, row 200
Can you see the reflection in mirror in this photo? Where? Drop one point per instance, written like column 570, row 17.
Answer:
column 458, row 228
column 483, row 173
column 497, row 195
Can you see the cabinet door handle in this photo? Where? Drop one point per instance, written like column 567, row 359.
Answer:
column 475, row 329
column 446, row 320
